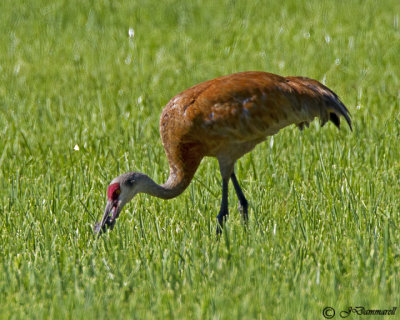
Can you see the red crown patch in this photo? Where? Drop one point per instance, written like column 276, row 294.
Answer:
column 113, row 191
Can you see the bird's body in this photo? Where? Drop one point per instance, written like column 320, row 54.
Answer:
column 227, row 117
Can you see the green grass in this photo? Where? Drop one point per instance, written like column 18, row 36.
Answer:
column 324, row 203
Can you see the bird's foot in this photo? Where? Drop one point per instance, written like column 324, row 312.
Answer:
column 219, row 230
column 220, row 225
column 244, row 213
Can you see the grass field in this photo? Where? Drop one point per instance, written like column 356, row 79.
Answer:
column 324, row 214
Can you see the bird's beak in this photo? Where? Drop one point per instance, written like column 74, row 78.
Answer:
column 107, row 220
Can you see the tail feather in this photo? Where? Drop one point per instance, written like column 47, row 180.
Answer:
column 336, row 109
column 329, row 108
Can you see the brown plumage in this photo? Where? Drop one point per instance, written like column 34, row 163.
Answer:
column 225, row 118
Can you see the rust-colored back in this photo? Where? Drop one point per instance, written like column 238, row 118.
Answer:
column 227, row 116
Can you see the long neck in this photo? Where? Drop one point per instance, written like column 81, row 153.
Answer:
column 170, row 189
column 183, row 163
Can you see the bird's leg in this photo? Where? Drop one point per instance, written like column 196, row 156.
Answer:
column 223, row 212
column 243, row 204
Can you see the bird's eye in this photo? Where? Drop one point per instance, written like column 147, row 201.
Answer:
column 130, row 182
column 117, row 192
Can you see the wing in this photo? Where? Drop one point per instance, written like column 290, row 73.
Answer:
column 246, row 107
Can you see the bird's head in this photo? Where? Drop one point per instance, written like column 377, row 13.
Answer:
column 120, row 191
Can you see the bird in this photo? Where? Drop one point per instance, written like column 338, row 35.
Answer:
column 225, row 118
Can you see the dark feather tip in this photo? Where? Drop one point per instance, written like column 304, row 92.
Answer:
column 335, row 119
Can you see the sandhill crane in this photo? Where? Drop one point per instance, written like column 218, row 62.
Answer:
column 225, row 118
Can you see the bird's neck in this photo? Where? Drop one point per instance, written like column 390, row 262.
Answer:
column 174, row 186
column 181, row 171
